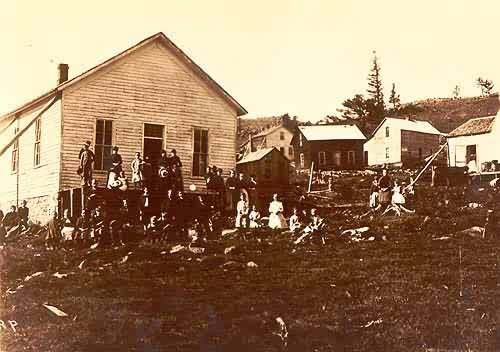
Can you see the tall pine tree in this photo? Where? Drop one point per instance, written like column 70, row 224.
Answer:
column 375, row 90
column 394, row 99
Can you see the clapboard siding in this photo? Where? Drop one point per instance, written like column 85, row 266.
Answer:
column 35, row 182
column 150, row 85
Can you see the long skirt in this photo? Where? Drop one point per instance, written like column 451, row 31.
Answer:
column 67, row 233
column 384, row 197
column 277, row 221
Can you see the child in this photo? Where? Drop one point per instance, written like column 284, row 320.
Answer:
column 254, row 218
column 68, row 229
column 314, row 228
column 241, row 212
column 374, row 193
column 295, row 221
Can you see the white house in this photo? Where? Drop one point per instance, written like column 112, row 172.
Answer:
column 396, row 141
column 478, row 139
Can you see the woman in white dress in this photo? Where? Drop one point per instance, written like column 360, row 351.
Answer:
column 276, row 218
column 68, row 229
column 241, row 212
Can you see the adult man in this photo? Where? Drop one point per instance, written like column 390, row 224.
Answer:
column 231, row 190
column 11, row 219
column 176, row 166
column 82, row 228
column 87, row 157
column 23, row 213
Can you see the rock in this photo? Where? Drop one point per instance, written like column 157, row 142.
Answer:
column 230, row 250
column 252, row 265
column 475, row 232
column 232, row 265
column 197, row 250
column 177, row 248
column 29, row 277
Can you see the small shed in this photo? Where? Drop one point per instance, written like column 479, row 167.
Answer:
column 269, row 166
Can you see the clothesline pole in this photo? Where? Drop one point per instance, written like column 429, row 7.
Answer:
column 310, row 177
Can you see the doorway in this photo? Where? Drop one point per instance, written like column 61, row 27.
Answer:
column 153, row 142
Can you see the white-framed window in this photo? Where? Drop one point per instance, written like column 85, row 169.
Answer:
column 200, row 151
column 302, row 160
column 387, row 131
column 282, row 150
column 103, row 144
column 14, row 165
column 337, row 158
column 387, row 152
column 290, row 152
column 282, row 136
column 351, row 157
column 38, row 135
column 322, row 158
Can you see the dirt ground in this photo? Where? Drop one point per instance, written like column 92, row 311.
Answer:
column 410, row 283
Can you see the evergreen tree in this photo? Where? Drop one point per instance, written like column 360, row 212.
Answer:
column 486, row 85
column 375, row 90
column 394, row 99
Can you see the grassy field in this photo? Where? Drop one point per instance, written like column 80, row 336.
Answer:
column 404, row 291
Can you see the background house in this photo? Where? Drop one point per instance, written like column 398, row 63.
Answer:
column 147, row 98
column 279, row 137
column 329, row 146
column 269, row 166
column 397, row 141
column 477, row 139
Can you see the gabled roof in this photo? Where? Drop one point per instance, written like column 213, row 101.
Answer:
column 409, row 125
column 478, row 125
column 255, row 156
column 331, row 132
column 160, row 37
column 259, row 136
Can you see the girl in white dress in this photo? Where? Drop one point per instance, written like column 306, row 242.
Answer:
column 294, row 221
column 254, row 218
column 276, row 218
column 241, row 212
column 136, row 170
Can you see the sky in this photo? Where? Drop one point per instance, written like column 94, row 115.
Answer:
column 302, row 57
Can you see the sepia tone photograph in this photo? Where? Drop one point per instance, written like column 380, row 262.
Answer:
column 280, row 175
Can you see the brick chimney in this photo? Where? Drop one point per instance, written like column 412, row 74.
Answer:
column 63, row 73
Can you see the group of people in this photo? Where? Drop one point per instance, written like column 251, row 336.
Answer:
column 388, row 195
column 164, row 173
column 15, row 220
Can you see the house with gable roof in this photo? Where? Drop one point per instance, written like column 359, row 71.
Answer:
column 149, row 97
column 397, row 141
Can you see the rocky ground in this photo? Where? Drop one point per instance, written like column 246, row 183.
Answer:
column 421, row 282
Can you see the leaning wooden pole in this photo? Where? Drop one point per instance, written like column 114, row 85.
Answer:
column 427, row 165
column 310, row 177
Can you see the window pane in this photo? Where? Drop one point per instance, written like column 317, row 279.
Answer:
column 204, row 141
column 203, row 164
column 98, row 157
column 196, row 163
column 197, row 140
column 99, row 132
column 107, row 157
column 108, row 133
column 155, row 131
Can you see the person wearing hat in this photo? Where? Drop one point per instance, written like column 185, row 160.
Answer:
column 176, row 167
column 137, row 170
column 86, row 157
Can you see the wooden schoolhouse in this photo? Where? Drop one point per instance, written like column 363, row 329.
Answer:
column 149, row 97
